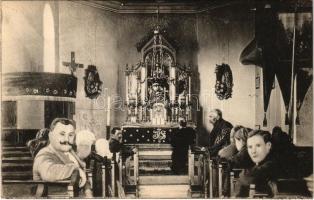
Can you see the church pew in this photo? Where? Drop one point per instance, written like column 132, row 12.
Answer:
column 210, row 178
column 222, row 172
column 113, row 176
column 282, row 188
column 99, row 176
column 197, row 160
column 214, row 176
column 234, row 175
column 121, row 193
column 136, row 171
column 69, row 188
column 287, row 188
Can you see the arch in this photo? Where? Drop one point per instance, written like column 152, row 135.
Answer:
column 49, row 40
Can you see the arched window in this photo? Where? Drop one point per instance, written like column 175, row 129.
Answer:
column 49, row 40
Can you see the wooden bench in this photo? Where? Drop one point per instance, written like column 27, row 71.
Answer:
column 284, row 188
column 69, row 187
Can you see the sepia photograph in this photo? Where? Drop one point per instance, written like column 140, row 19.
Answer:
column 156, row 99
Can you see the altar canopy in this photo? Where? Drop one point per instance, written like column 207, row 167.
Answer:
column 282, row 46
column 158, row 90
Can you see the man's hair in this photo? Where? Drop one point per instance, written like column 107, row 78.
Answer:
column 64, row 121
column 242, row 134
column 219, row 113
column 114, row 129
column 182, row 121
column 237, row 127
column 264, row 134
column 276, row 129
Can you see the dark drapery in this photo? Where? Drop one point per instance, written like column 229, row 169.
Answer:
column 261, row 51
column 272, row 49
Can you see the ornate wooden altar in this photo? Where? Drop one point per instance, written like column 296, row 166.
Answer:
column 158, row 90
column 158, row 93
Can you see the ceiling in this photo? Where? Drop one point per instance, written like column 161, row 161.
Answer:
column 163, row 6
column 187, row 6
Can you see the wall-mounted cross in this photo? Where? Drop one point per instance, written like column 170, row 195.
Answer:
column 72, row 65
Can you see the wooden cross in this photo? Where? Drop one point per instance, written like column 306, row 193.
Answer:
column 72, row 65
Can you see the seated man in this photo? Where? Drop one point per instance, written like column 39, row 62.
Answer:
column 58, row 161
column 265, row 168
column 115, row 142
column 219, row 136
column 180, row 141
column 284, row 153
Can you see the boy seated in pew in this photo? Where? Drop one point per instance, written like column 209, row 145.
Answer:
column 265, row 168
column 240, row 159
column 230, row 150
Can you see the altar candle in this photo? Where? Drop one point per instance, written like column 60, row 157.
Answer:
column 127, row 89
column 172, row 86
column 187, row 100
column 108, row 111
column 143, row 85
column 136, row 105
column 189, row 88
column 164, row 95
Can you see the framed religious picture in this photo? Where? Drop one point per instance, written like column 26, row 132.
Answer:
column 92, row 82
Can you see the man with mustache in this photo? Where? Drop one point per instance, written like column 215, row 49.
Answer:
column 58, row 161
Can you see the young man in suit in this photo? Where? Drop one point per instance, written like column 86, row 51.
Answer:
column 265, row 168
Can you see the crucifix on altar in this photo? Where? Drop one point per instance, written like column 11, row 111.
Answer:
column 72, row 65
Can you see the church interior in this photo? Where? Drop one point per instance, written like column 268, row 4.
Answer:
column 142, row 67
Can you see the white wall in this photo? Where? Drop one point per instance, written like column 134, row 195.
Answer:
column 223, row 41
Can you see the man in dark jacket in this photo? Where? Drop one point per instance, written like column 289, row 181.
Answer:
column 265, row 168
column 219, row 138
column 180, row 142
column 220, row 135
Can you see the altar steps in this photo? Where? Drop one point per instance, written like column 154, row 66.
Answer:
column 169, row 186
column 164, row 180
column 163, row 191
column 156, row 179
column 155, row 159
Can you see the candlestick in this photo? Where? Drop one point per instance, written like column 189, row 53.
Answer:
column 107, row 132
column 127, row 89
column 143, row 85
column 108, row 111
column 136, row 105
column 189, row 88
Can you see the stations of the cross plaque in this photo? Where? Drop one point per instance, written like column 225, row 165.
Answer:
column 72, row 65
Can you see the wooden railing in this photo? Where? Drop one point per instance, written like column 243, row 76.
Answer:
column 197, row 158
column 136, row 171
